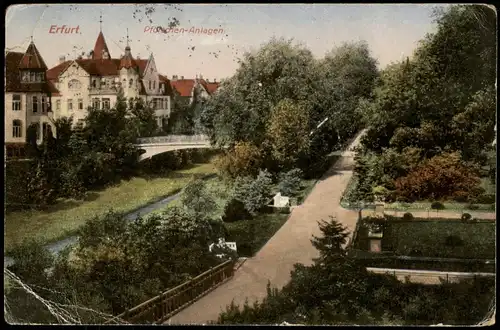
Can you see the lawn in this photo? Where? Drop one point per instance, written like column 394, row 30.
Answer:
column 251, row 235
column 65, row 217
column 429, row 237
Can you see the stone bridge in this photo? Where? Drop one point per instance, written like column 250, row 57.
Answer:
column 160, row 144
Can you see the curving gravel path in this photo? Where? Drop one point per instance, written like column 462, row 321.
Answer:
column 290, row 245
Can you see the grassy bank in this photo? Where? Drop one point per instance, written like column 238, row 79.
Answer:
column 65, row 217
column 251, row 235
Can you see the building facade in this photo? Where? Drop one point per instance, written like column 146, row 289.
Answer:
column 36, row 95
column 27, row 99
column 97, row 81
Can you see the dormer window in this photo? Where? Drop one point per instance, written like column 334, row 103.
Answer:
column 32, row 77
column 94, row 83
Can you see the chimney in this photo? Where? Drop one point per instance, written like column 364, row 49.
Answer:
column 201, row 76
column 215, row 80
column 182, row 77
column 62, row 59
column 174, row 77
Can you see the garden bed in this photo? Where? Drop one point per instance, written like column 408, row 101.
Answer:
column 348, row 202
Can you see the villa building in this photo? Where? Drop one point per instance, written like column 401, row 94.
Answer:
column 27, row 99
column 97, row 80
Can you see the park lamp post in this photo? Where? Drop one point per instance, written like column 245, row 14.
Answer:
column 319, row 125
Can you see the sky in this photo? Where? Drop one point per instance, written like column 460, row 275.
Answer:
column 391, row 31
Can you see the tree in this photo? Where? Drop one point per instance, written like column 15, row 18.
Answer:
column 241, row 108
column 288, row 132
column 197, row 199
column 345, row 76
column 331, row 245
column 244, row 159
column 254, row 193
column 142, row 118
column 290, row 182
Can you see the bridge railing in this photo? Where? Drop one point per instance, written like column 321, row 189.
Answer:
column 173, row 138
column 167, row 304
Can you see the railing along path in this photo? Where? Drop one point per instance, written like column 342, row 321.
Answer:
column 162, row 307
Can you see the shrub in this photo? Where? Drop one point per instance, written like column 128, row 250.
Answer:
column 254, row 193
column 472, row 207
column 437, row 206
column 486, row 199
column 244, row 159
column 234, row 210
column 408, row 216
column 466, row 217
column 440, row 177
column 290, row 182
column 453, row 241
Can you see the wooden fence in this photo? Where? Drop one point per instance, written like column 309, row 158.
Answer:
column 162, row 307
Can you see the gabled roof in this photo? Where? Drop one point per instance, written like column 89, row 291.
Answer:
column 13, row 77
column 32, row 59
column 100, row 46
column 211, row 87
column 183, row 86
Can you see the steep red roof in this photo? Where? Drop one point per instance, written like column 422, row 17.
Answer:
column 100, row 67
column 183, row 86
column 100, row 46
column 13, row 77
column 32, row 59
column 211, row 87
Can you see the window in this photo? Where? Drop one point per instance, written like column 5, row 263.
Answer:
column 32, row 76
column 16, row 102
column 34, row 104
column 41, row 76
column 154, row 104
column 80, row 104
column 103, row 83
column 16, row 128
column 105, row 104
column 74, row 84
column 94, row 83
column 25, row 76
column 44, row 105
column 58, row 105
column 96, row 103
column 154, row 84
column 150, row 84
column 131, row 83
column 70, row 104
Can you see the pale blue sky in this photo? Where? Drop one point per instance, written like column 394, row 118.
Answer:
column 390, row 30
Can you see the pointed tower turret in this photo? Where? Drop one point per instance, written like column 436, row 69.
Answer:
column 101, row 50
column 32, row 59
column 127, row 61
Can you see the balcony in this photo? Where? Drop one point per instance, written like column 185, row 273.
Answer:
column 103, row 90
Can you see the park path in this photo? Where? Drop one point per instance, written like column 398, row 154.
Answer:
column 290, row 245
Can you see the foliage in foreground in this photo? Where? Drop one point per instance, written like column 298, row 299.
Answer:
column 115, row 266
column 337, row 290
